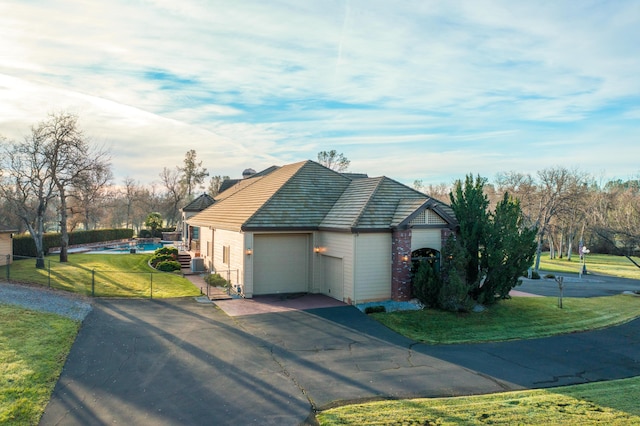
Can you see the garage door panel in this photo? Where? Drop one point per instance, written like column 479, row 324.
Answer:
column 281, row 263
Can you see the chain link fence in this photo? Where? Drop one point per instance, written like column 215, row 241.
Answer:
column 86, row 280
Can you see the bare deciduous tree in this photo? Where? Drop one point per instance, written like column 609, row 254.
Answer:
column 333, row 160
column 69, row 158
column 26, row 184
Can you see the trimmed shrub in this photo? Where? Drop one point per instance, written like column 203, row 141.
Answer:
column 374, row 309
column 157, row 258
column 168, row 266
column 216, row 280
column 166, row 250
column 144, row 233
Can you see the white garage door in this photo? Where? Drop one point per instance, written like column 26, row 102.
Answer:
column 281, row 263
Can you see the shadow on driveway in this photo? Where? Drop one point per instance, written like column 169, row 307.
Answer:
column 180, row 362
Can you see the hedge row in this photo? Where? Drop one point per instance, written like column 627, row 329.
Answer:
column 146, row 233
column 23, row 245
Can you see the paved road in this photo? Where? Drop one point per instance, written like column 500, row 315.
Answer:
column 589, row 285
column 180, row 362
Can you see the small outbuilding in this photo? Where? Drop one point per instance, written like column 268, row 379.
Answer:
column 6, row 245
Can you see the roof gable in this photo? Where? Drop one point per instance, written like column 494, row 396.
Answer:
column 198, row 204
column 382, row 208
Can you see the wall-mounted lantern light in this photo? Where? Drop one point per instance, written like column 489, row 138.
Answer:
column 405, row 258
column 317, row 249
column 249, row 252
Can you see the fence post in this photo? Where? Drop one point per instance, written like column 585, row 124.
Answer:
column 93, row 283
column 151, row 295
column 8, row 267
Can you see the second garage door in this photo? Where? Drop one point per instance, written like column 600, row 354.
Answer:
column 281, row 263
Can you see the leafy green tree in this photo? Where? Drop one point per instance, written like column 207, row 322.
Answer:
column 153, row 221
column 509, row 250
column 470, row 205
column 192, row 174
column 498, row 247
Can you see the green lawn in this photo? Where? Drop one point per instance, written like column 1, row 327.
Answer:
column 33, row 349
column 125, row 275
column 604, row 403
column 516, row 318
column 617, row 266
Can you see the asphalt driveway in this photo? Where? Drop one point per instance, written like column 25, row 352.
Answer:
column 170, row 362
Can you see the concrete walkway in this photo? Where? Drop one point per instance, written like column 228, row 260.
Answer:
column 170, row 362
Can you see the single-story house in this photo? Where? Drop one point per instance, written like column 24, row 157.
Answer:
column 304, row 228
column 6, row 245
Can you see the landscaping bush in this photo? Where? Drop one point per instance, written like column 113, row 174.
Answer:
column 172, row 251
column 535, row 275
column 144, row 233
column 550, row 276
column 374, row 309
column 216, row 280
column 427, row 284
column 163, row 254
column 168, row 266
column 157, row 258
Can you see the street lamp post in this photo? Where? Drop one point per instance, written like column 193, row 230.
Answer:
column 585, row 251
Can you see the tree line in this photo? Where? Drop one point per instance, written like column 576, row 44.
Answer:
column 56, row 180
column 569, row 209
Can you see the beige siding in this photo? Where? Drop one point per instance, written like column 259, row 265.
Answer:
column 247, row 275
column 234, row 268
column 206, row 239
column 340, row 245
column 426, row 238
column 373, row 267
column 6, row 248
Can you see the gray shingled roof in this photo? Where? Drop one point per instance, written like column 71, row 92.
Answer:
column 309, row 196
column 198, row 204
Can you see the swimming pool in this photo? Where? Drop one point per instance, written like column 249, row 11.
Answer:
column 126, row 248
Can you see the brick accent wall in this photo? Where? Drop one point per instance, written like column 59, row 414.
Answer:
column 401, row 269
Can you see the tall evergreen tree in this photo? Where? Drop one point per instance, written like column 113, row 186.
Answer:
column 470, row 205
column 509, row 250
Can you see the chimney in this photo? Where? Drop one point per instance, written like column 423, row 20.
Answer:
column 248, row 173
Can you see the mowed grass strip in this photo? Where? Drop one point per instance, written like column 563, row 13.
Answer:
column 516, row 318
column 116, row 275
column 617, row 266
column 603, row 403
column 33, row 349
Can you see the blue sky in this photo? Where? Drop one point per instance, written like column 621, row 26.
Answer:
column 429, row 90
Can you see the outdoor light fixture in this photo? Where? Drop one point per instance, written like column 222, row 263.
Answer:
column 249, row 252
column 316, row 249
column 405, row 258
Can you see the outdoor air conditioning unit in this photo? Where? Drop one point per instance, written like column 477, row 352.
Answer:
column 197, row 264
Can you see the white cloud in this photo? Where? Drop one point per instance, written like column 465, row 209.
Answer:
column 477, row 86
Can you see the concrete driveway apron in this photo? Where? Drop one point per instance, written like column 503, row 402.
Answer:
column 180, row 362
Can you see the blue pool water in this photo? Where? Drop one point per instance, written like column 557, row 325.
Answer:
column 126, row 248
